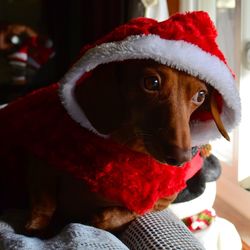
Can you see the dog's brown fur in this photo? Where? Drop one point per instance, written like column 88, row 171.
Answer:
column 123, row 100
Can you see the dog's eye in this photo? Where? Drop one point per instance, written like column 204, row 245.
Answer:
column 151, row 83
column 199, row 97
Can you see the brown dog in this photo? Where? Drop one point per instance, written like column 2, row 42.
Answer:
column 141, row 104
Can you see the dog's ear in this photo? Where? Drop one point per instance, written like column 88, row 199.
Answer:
column 100, row 98
column 216, row 115
column 210, row 109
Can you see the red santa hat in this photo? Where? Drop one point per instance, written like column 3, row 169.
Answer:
column 185, row 42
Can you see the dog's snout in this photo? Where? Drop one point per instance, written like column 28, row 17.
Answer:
column 178, row 156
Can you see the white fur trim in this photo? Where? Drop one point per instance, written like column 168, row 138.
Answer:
column 177, row 54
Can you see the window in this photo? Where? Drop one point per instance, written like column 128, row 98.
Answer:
column 233, row 24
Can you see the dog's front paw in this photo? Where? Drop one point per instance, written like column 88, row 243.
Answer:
column 37, row 226
column 113, row 219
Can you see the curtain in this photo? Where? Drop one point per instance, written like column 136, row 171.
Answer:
column 157, row 9
column 71, row 24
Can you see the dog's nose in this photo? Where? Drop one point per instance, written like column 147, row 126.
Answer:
column 178, row 156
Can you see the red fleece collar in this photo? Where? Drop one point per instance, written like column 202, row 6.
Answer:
column 118, row 173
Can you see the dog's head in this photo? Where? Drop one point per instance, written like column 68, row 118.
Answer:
column 146, row 106
column 123, row 85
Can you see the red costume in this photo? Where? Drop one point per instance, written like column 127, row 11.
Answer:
column 52, row 126
column 134, row 179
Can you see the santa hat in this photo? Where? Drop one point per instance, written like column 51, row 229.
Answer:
column 185, row 42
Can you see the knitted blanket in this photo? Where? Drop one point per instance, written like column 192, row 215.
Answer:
column 73, row 236
column 160, row 230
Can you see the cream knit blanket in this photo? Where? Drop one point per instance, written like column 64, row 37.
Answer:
column 160, row 230
column 73, row 237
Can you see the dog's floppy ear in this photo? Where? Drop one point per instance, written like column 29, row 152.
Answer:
column 216, row 115
column 99, row 97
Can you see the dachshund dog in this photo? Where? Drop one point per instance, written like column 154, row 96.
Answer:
column 142, row 104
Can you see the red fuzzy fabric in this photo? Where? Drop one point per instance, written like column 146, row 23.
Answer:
column 38, row 124
column 195, row 27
